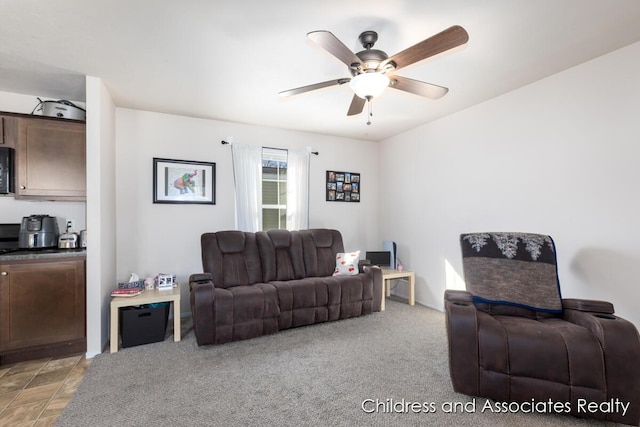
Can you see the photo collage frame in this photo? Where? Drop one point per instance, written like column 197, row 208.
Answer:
column 343, row 186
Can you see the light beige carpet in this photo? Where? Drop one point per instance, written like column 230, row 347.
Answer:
column 385, row 369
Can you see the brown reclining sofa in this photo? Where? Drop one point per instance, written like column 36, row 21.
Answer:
column 259, row 283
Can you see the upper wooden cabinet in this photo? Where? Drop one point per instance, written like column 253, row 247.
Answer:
column 50, row 159
column 7, row 131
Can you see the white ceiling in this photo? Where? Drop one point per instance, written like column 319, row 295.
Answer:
column 228, row 60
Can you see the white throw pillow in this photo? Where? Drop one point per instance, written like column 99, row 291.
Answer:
column 347, row 264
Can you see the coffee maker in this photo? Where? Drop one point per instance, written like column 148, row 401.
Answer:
column 38, row 231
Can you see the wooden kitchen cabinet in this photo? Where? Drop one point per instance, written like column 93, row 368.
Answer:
column 8, row 131
column 42, row 308
column 50, row 159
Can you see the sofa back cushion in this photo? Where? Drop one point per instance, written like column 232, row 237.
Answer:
column 514, row 269
column 320, row 247
column 281, row 253
column 232, row 258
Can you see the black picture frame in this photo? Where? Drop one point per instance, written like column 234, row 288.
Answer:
column 343, row 186
column 184, row 182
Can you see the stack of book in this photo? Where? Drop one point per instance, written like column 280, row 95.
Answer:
column 128, row 289
column 128, row 292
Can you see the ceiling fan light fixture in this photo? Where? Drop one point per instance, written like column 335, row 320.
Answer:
column 369, row 85
column 370, row 67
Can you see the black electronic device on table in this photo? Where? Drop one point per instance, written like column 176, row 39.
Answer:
column 379, row 258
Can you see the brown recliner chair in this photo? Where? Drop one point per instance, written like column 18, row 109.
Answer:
column 512, row 338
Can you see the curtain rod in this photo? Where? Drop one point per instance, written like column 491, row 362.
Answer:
column 223, row 142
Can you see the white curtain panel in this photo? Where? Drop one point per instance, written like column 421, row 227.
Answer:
column 247, row 175
column 298, row 189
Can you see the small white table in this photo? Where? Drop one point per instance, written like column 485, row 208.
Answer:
column 146, row 297
column 388, row 275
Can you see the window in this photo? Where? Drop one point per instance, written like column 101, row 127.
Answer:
column 275, row 181
column 274, row 189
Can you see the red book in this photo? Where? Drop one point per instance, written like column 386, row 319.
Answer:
column 128, row 292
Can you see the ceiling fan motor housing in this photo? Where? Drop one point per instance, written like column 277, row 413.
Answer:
column 368, row 39
column 371, row 59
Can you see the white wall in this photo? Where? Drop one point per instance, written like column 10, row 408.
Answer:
column 559, row 157
column 164, row 238
column 12, row 210
column 101, row 215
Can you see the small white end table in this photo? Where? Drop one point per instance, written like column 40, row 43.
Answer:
column 146, row 297
column 388, row 275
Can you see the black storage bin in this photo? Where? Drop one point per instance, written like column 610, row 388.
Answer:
column 143, row 324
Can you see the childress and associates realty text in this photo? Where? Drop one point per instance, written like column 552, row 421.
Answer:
column 582, row 406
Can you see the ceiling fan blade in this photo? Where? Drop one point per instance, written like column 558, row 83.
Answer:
column 334, row 46
column 417, row 87
column 308, row 88
column 357, row 105
column 441, row 42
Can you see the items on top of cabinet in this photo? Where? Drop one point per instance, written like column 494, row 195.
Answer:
column 61, row 109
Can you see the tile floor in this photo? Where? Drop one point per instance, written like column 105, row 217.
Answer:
column 34, row 393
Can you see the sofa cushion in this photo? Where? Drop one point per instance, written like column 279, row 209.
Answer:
column 243, row 312
column 232, row 258
column 281, row 253
column 320, row 247
column 307, row 301
column 322, row 238
column 347, row 263
column 516, row 269
column 356, row 295
column 231, row 242
column 562, row 359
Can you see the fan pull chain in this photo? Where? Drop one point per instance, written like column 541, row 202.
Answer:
column 370, row 110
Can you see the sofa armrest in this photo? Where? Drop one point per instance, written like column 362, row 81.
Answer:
column 588, row 305
column 202, row 296
column 362, row 263
column 620, row 343
column 462, row 333
column 375, row 273
column 459, row 296
column 200, row 278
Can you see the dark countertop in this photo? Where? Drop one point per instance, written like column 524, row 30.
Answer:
column 52, row 253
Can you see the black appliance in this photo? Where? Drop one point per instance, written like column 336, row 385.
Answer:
column 6, row 170
column 9, row 238
column 38, row 231
column 379, row 258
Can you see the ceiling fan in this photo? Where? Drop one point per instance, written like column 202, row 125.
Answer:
column 372, row 70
